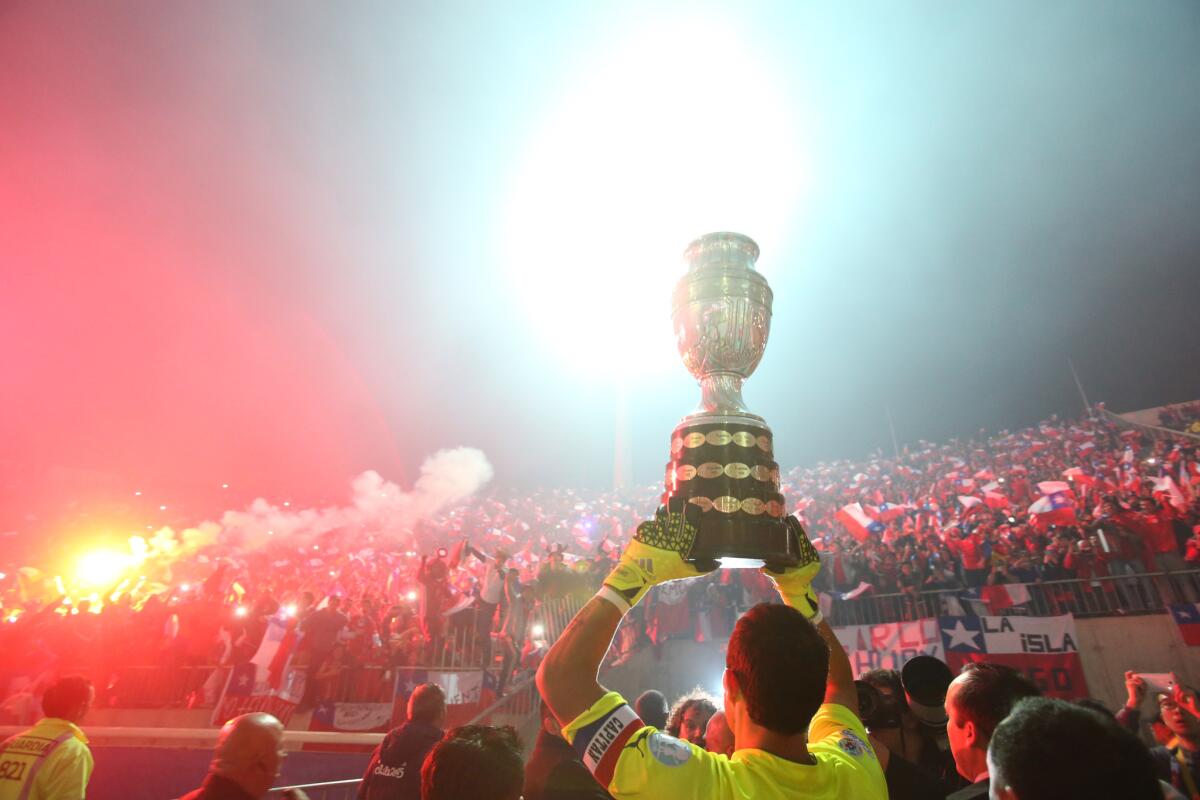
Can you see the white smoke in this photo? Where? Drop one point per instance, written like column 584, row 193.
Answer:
column 447, row 477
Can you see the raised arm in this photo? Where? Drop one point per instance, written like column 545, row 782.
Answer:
column 839, row 686
column 795, row 587
column 567, row 676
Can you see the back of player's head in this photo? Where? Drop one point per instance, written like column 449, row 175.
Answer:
column 651, row 708
column 986, row 692
column 67, row 698
column 427, row 704
column 476, row 761
column 1054, row 750
column 780, row 664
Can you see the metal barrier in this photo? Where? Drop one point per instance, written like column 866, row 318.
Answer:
column 330, row 790
column 555, row 614
column 520, row 708
column 1113, row 595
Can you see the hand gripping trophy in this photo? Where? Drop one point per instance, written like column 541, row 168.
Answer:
column 721, row 454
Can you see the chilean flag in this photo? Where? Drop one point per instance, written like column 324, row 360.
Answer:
column 1167, row 486
column 886, row 512
column 995, row 500
column 1053, row 509
column 275, row 652
column 1054, row 487
column 1004, row 595
column 1078, row 477
column 1187, row 617
column 858, row 523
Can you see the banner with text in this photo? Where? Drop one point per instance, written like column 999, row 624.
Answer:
column 1044, row 648
column 467, row 692
column 889, row 645
column 349, row 718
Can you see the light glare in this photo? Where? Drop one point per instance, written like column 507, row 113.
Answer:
column 675, row 133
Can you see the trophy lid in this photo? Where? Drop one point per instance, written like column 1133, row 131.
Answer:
column 723, row 250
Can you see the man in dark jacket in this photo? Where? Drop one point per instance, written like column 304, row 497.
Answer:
column 394, row 772
column 978, row 699
column 554, row 771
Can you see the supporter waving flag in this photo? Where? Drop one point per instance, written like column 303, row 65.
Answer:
column 886, row 512
column 860, row 525
column 1053, row 509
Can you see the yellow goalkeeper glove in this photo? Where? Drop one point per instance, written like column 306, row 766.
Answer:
column 654, row 555
column 795, row 583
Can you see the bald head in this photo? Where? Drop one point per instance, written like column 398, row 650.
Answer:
column 250, row 752
column 718, row 738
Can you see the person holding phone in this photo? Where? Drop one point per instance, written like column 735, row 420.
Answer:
column 1179, row 763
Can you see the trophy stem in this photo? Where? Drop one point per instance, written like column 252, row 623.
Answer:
column 721, row 393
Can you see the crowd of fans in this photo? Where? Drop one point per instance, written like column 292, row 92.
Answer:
column 1184, row 417
column 488, row 573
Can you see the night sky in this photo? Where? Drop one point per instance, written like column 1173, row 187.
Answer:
column 275, row 244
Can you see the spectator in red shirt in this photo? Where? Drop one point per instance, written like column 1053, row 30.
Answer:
column 969, row 548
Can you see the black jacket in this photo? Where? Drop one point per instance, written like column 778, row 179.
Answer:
column 394, row 772
column 555, row 772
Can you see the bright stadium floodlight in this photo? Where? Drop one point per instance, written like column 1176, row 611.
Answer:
column 677, row 132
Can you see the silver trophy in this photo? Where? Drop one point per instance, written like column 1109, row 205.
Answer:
column 721, row 454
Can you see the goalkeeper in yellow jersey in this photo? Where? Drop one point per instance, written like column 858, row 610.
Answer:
column 789, row 691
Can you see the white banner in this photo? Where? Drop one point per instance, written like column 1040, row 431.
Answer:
column 889, row 645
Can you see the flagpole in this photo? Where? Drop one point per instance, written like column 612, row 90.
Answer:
column 892, row 427
column 1087, row 407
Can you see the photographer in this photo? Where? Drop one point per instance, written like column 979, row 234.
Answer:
column 915, row 766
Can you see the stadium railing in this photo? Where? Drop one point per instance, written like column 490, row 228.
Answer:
column 1114, row 595
column 169, row 686
column 329, row 790
column 519, row 708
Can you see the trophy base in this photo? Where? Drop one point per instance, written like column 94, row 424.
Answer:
column 742, row 544
column 723, row 465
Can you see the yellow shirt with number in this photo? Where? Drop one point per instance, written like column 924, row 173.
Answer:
column 633, row 760
column 61, row 775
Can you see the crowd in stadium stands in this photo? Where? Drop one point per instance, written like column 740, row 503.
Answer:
column 1185, row 417
column 1065, row 499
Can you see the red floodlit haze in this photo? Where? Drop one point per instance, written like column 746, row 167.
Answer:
column 151, row 337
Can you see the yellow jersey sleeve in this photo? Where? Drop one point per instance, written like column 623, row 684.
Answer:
column 633, row 760
column 832, row 720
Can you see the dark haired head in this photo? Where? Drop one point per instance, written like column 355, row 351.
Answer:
column 651, row 708
column 780, row 665
column 690, row 714
column 476, row 761
column 68, row 698
column 1054, row 750
column 976, row 701
column 986, row 691
column 427, row 704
